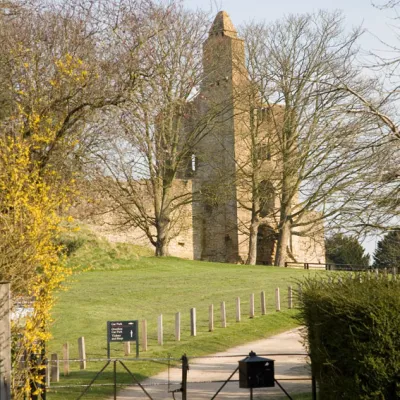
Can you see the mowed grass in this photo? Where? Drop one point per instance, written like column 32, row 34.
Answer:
column 123, row 285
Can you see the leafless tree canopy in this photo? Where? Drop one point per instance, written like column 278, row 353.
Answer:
column 302, row 63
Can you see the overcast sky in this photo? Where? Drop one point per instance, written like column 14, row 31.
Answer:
column 377, row 23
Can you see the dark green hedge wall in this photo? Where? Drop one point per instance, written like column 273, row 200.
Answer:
column 353, row 334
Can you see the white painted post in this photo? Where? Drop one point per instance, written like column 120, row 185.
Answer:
column 238, row 316
column 376, row 273
column 144, row 335
column 263, row 307
column 55, row 371
column 211, row 317
column 223, row 315
column 290, row 297
column 5, row 344
column 193, row 329
column 160, row 330
column 251, row 311
column 277, row 300
column 66, row 359
column 127, row 348
column 178, row 326
column 82, row 352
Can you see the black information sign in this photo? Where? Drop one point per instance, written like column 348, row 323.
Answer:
column 122, row 331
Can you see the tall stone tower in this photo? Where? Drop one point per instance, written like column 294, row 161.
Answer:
column 215, row 224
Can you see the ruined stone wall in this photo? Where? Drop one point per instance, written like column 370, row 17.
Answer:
column 108, row 225
column 311, row 247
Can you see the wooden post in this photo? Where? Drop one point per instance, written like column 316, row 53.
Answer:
column 238, row 316
column 277, row 300
column 263, row 307
column 160, row 332
column 223, row 315
column 251, row 311
column 299, row 291
column 178, row 326
column 144, row 335
column 290, row 297
column 66, row 359
column 5, row 341
column 211, row 318
column 55, row 370
column 127, row 348
column 82, row 352
column 193, row 328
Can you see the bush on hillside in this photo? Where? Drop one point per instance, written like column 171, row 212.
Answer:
column 342, row 249
column 387, row 253
column 353, row 335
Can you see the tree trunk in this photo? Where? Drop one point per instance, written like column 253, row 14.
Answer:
column 252, row 255
column 282, row 243
column 161, row 249
column 162, row 236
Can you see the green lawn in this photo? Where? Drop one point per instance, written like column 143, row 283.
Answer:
column 122, row 284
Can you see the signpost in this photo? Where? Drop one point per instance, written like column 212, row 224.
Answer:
column 122, row 331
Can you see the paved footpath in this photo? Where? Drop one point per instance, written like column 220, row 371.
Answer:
column 212, row 368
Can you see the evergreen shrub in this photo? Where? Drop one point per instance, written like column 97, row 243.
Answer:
column 353, row 335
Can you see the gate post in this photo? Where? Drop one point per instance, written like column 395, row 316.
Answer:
column 185, row 368
column 5, row 341
column 115, row 378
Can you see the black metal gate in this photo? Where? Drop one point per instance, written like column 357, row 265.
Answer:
column 176, row 382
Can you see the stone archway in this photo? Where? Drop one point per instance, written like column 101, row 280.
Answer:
column 265, row 245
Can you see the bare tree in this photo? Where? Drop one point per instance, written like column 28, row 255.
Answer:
column 149, row 141
column 376, row 207
column 61, row 62
column 299, row 65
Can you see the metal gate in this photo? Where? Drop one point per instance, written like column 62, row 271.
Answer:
column 209, row 377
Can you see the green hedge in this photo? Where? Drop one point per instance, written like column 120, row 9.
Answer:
column 353, row 335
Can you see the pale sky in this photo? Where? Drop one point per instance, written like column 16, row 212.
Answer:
column 356, row 12
column 377, row 23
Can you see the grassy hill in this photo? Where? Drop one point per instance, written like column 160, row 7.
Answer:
column 123, row 282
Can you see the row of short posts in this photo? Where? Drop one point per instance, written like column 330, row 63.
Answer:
column 53, row 370
column 383, row 273
column 53, row 374
column 193, row 316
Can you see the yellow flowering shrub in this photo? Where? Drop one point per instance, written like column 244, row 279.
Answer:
column 31, row 197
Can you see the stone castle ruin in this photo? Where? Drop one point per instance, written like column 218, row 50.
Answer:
column 219, row 173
